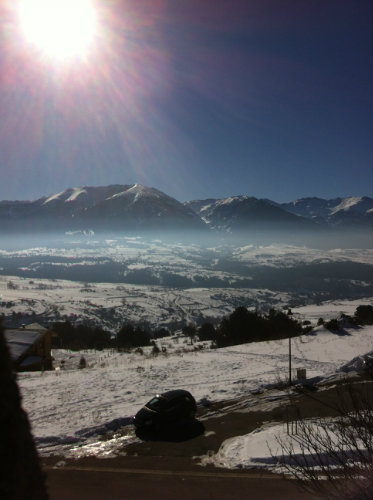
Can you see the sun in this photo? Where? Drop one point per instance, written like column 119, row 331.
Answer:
column 60, row 29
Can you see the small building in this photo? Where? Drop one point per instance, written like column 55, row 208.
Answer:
column 30, row 347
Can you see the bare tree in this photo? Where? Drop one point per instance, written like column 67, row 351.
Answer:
column 333, row 455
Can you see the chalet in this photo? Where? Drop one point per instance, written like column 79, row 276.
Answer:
column 30, row 347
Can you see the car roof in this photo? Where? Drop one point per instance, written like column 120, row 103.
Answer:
column 175, row 394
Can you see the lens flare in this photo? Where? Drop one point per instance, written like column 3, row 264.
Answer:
column 60, row 29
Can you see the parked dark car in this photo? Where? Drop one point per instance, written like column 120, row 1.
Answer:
column 164, row 409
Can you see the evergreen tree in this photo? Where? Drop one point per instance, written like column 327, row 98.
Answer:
column 364, row 315
column 129, row 336
column 207, row 332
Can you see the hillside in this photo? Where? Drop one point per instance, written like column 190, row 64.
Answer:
column 114, row 385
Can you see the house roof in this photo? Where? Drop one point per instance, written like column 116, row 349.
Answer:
column 31, row 360
column 19, row 341
column 35, row 327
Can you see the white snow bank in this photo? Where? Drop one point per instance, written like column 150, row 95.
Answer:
column 251, row 450
column 359, row 363
column 268, row 448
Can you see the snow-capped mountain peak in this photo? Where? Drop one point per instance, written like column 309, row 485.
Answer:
column 134, row 206
column 336, row 212
column 58, row 196
column 68, row 195
column 354, row 204
column 138, row 191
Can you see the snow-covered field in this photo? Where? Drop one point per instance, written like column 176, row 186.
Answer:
column 162, row 284
column 69, row 408
column 168, row 284
column 110, row 305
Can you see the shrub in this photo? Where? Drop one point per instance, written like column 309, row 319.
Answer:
column 244, row 326
column 190, row 331
column 155, row 349
column 129, row 336
column 333, row 325
column 206, row 332
column 79, row 336
column 338, row 447
column 161, row 332
column 12, row 286
column 82, row 363
column 364, row 315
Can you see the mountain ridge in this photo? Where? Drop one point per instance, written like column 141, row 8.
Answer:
column 336, row 212
column 137, row 207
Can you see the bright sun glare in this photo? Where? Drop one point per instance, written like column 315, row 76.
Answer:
column 60, row 29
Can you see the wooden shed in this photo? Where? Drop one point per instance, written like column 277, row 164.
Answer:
column 30, row 347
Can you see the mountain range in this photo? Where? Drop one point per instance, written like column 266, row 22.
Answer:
column 136, row 207
column 238, row 212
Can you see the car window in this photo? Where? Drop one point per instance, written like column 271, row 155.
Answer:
column 157, row 404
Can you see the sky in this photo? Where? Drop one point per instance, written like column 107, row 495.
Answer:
column 266, row 98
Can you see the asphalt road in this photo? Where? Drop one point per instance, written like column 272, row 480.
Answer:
column 128, row 479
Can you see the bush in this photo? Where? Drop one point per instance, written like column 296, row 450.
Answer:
column 364, row 315
column 333, row 325
column 206, row 332
column 130, row 336
column 338, row 447
column 155, row 349
column 244, row 326
column 82, row 363
column 161, row 332
column 190, row 331
column 80, row 336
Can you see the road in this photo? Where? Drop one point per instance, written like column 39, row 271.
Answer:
column 135, row 478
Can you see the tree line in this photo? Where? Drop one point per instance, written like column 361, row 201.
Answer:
column 239, row 327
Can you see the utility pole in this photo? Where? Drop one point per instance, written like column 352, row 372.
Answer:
column 289, row 315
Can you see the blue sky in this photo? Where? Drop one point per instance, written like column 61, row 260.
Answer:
column 268, row 98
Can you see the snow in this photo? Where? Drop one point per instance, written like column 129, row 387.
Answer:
column 263, row 448
column 56, row 196
column 251, row 450
column 70, row 195
column 346, row 204
column 110, row 304
column 69, row 408
column 75, row 193
column 138, row 191
column 159, row 305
